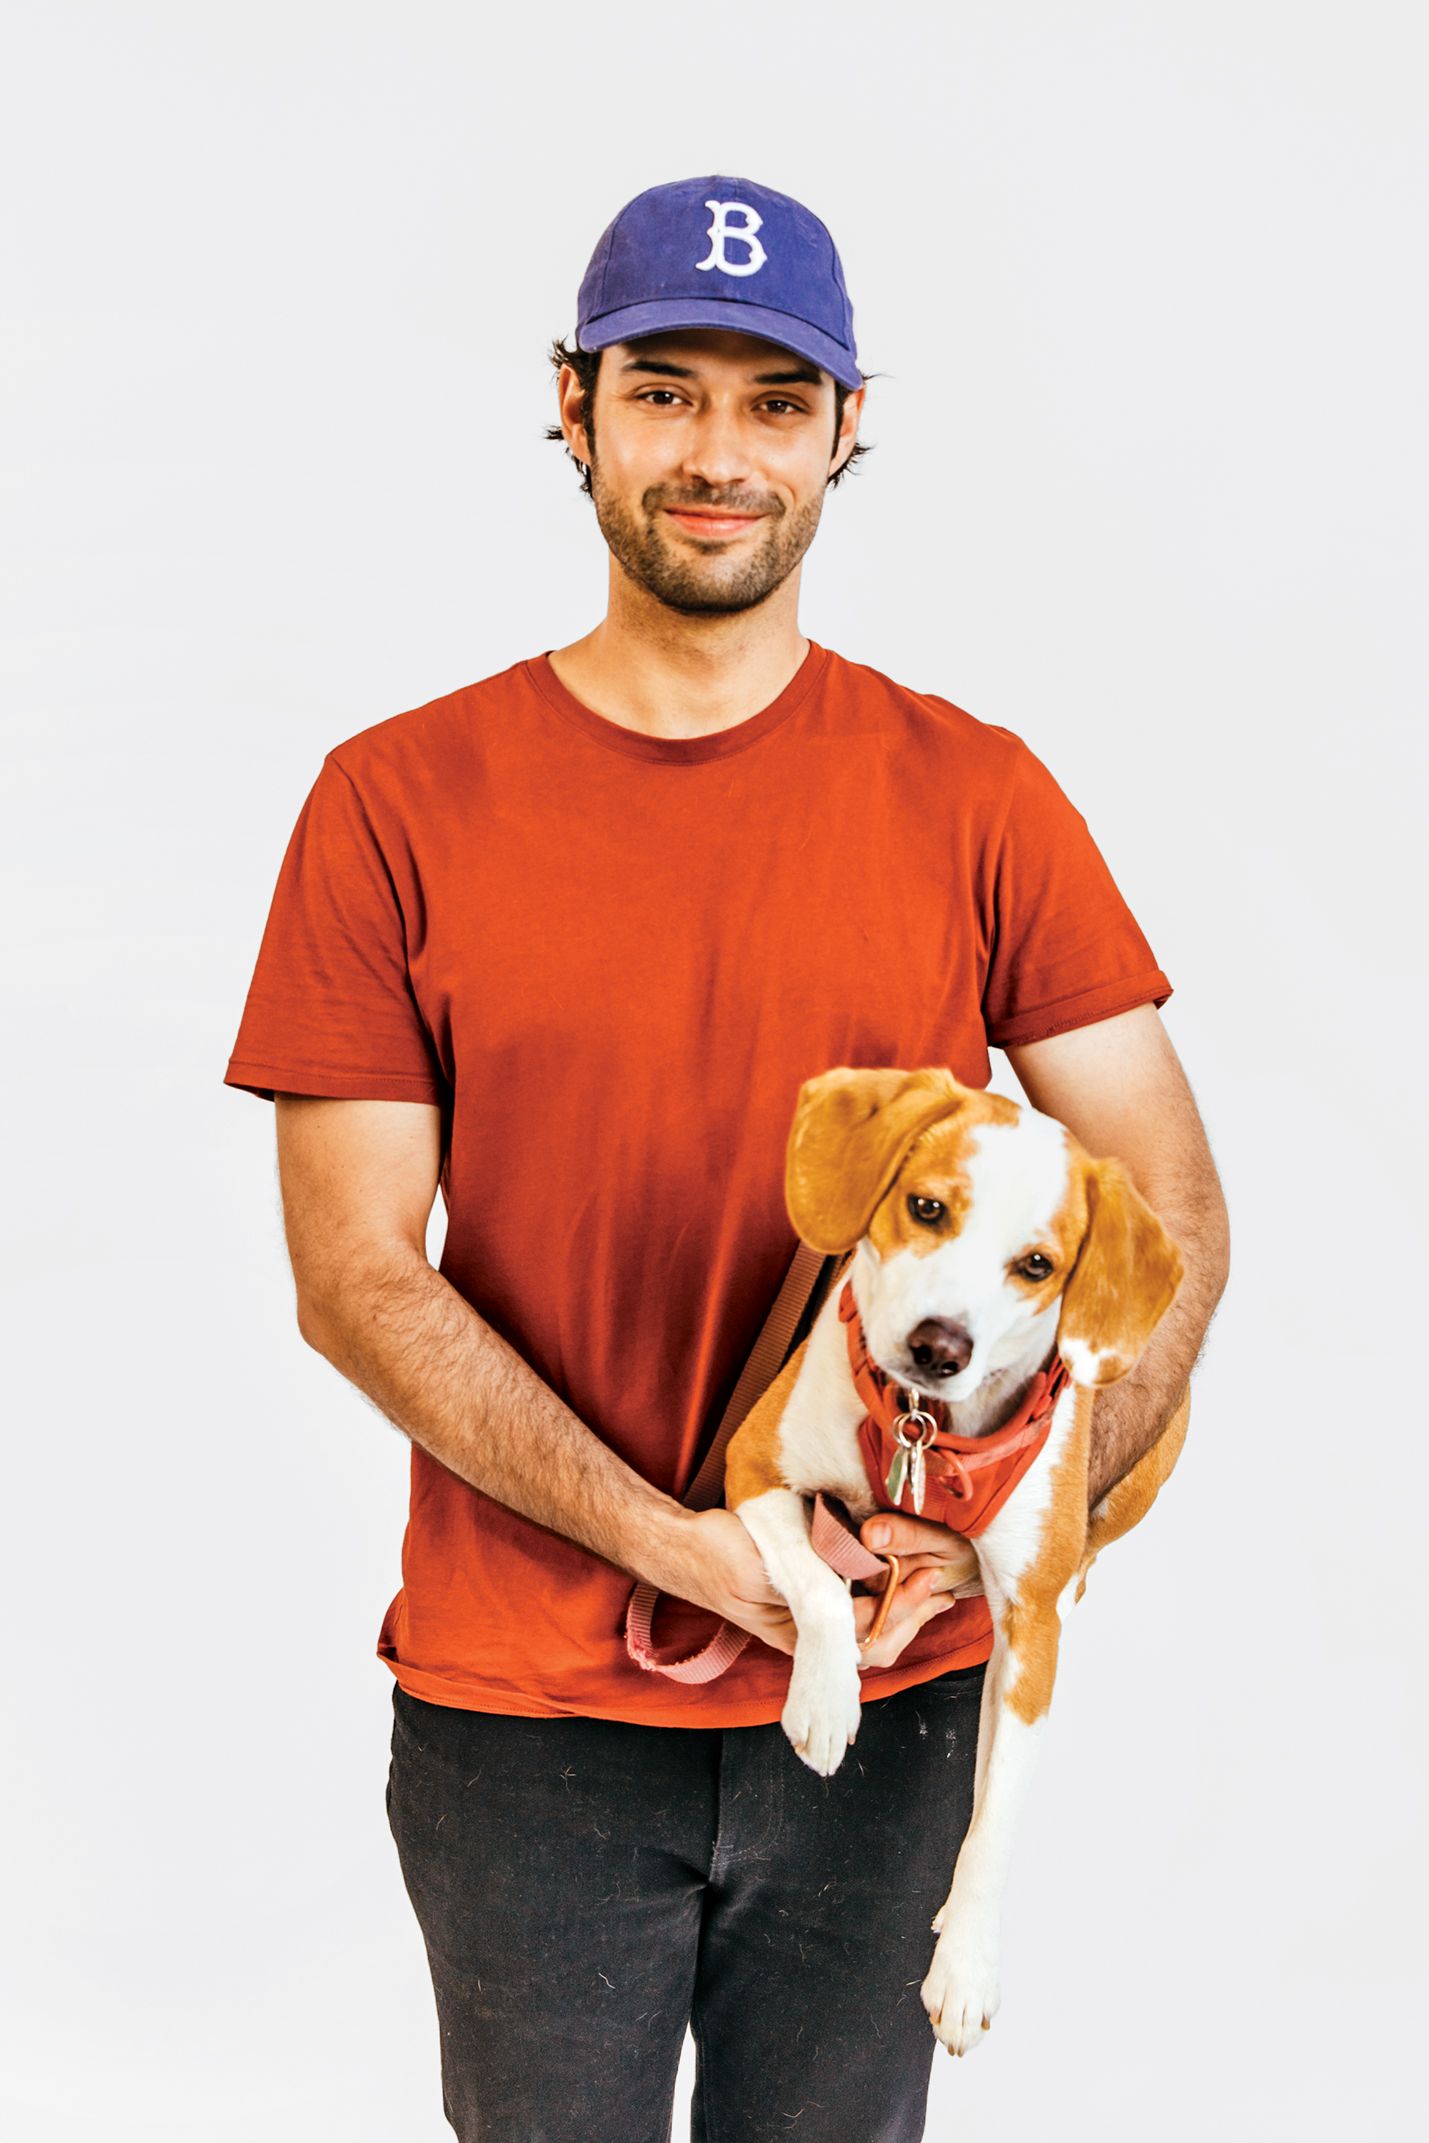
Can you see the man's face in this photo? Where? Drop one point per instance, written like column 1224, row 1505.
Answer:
column 734, row 430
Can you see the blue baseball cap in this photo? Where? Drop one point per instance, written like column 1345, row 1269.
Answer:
column 720, row 252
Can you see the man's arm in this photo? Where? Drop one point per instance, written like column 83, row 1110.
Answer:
column 1119, row 1088
column 358, row 1181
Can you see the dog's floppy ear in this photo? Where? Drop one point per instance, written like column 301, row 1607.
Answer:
column 851, row 1130
column 1126, row 1274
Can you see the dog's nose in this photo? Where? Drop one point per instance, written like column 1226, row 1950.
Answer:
column 939, row 1345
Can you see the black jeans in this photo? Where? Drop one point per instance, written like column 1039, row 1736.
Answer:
column 587, row 1887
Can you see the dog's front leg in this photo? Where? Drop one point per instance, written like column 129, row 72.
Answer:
column 961, row 1992
column 822, row 1711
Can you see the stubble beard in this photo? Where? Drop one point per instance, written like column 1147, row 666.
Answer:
column 701, row 582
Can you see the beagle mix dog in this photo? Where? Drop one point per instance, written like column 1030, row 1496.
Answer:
column 998, row 1276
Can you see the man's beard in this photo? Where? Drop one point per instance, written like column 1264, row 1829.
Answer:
column 702, row 583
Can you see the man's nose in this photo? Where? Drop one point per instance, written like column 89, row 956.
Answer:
column 940, row 1346
column 715, row 454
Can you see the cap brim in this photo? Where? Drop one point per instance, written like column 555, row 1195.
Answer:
column 737, row 314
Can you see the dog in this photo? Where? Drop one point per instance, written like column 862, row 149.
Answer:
column 999, row 1276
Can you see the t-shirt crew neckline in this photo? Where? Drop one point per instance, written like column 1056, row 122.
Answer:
column 678, row 751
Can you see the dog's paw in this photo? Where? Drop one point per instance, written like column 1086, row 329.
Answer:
column 961, row 1993
column 823, row 1708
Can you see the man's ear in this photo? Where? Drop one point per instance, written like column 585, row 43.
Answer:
column 850, row 1133
column 1125, row 1278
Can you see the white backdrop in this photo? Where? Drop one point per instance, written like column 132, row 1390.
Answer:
column 1145, row 283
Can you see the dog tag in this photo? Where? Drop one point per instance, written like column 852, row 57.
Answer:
column 897, row 1473
column 919, row 1472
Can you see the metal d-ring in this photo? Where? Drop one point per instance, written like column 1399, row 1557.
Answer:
column 914, row 1412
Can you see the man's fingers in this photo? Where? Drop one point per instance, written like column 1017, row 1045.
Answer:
column 913, row 1605
column 913, row 1589
column 944, row 1560
column 905, row 1535
column 893, row 1533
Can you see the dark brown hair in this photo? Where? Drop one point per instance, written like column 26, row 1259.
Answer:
column 586, row 366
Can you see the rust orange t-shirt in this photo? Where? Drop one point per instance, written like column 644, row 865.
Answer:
column 612, row 959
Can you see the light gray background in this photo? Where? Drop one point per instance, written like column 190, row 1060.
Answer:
column 1145, row 282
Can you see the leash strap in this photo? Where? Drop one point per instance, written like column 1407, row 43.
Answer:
column 802, row 1294
column 800, row 1291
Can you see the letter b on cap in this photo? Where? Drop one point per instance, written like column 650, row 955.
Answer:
column 721, row 231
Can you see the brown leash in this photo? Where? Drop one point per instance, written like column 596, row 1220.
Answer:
column 805, row 1289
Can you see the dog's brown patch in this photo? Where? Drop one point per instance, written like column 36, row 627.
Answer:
column 1030, row 1624
column 1127, row 1272
column 751, row 1459
column 936, row 1165
column 1127, row 1503
column 853, row 1128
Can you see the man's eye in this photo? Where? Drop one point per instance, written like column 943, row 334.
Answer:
column 778, row 402
column 1036, row 1267
column 927, row 1210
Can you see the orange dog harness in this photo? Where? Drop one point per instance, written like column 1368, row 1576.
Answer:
column 969, row 1478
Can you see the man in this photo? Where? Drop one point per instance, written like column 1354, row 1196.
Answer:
column 567, row 942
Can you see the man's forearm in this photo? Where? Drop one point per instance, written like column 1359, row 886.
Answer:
column 423, row 1356
column 1130, row 1414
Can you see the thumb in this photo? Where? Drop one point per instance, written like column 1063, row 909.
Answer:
column 903, row 1535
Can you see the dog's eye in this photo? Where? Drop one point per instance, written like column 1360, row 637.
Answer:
column 928, row 1210
column 1035, row 1266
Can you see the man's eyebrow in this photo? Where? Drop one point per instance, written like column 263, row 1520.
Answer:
column 808, row 375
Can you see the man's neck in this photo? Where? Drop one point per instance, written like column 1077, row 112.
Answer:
column 671, row 675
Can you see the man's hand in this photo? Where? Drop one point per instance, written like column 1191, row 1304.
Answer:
column 718, row 1566
column 932, row 1561
column 921, row 1543
column 722, row 1569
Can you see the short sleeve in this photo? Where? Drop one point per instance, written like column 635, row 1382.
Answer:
column 1065, row 949
column 330, row 1009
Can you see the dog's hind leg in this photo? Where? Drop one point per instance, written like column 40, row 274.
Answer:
column 961, row 1991
column 1029, row 1557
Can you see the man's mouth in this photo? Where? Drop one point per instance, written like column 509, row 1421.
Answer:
column 711, row 525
